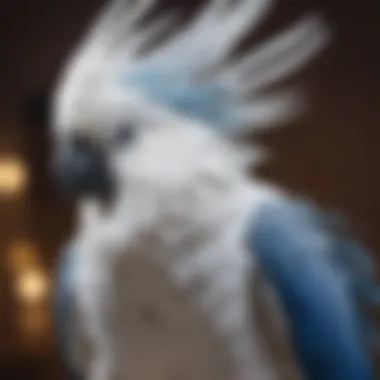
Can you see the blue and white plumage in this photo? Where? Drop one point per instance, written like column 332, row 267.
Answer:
column 143, row 139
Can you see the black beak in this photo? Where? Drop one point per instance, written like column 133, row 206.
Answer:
column 80, row 169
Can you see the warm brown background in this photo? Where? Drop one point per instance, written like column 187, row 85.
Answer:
column 332, row 155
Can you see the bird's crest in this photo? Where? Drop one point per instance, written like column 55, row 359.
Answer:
column 188, row 73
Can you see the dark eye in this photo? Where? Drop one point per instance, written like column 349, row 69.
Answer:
column 81, row 142
column 123, row 135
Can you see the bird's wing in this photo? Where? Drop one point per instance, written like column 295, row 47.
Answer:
column 321, row 279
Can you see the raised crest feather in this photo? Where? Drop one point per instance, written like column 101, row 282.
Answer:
column 112, row 50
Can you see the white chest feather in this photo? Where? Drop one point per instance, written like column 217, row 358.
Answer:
column 166, row 282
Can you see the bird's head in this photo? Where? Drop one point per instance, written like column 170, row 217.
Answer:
column 113, row 97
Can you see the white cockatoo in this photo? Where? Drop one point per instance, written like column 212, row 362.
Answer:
column 182, row 264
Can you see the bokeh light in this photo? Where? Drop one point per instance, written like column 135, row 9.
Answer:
column 32, row 286
column 13, row 177
column 30, row 281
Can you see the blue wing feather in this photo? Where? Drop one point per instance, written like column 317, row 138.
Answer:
column 308, row 266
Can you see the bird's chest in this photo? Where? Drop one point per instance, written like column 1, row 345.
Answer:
column 183, row 300
column 166, row 323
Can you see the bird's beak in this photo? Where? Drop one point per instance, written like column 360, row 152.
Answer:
column 80, row 169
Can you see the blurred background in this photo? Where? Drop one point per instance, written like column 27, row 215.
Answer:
column 331, row 155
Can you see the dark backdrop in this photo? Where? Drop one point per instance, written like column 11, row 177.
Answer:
column 331, row 155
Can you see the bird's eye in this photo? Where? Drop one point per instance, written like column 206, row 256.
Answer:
column 80, row 142
column 123, row 135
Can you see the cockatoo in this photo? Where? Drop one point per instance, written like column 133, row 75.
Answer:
column 182, row 264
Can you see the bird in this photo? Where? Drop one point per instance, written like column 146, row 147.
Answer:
column 150, row 143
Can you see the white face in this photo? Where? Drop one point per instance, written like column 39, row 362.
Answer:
column 112, row 130
column 108, row 138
